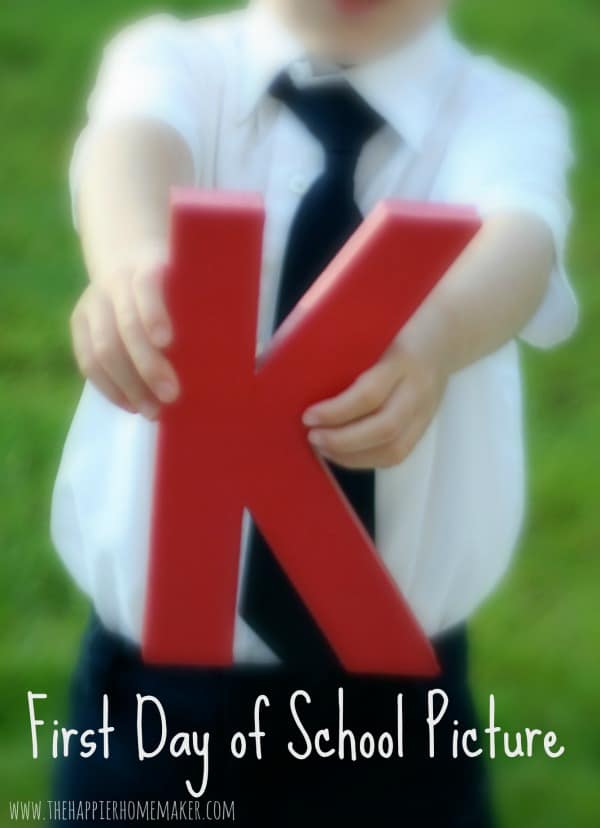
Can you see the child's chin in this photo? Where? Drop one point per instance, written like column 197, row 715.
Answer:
column 345, row 31
column 346, row 47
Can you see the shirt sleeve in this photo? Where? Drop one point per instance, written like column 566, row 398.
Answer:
column 516, row 154
column 144, row 73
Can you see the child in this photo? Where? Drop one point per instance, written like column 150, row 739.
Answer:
column 262, row 100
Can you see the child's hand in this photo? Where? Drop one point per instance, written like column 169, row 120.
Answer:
column 378, row 420
column 119, row 327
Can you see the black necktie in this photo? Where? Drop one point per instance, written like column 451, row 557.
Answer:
column 327, row 216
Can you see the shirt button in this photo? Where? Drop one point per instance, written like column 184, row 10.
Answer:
column 299, row 184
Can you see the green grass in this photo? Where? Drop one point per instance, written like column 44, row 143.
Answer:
column 536, row 642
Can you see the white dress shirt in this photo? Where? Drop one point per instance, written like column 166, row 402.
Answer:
column 459, row 129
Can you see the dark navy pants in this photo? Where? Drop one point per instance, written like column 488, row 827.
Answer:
column 278, row 790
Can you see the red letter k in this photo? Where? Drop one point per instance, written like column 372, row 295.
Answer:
column 235, row 439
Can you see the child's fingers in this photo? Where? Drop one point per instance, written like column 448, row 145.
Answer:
column 151, row 365
column 111, row 355
column 380, row 429
column 90, row 367
column 363, row 397
column 381, row 457
column 148, row 291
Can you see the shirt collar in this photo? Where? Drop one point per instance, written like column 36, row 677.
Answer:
column 405, row 86
column 270, row 48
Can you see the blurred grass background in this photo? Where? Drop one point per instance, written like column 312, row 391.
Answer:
column 536, row 643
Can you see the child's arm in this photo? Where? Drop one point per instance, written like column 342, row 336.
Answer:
column 120, row 323
column 484, row 301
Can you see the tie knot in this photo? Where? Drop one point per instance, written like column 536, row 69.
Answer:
column 335, row 114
